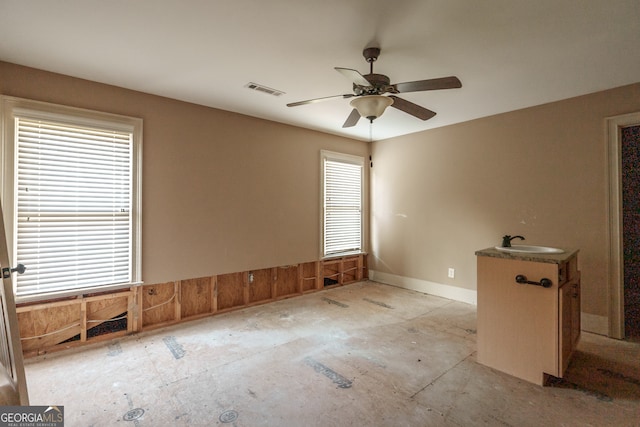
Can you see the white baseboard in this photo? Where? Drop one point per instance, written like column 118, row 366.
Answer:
column 468, row 296
column 594, row 323
column 589, row 322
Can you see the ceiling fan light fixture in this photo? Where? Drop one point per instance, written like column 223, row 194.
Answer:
column 371, row 106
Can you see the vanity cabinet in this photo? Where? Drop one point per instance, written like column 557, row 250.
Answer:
column 569, row 321
column 528, row 330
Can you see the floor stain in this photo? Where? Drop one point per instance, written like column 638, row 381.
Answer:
column 334, row 302
column 619, row 376
column 338, row 379
column 381, row 304
column 500, row 421
column 174, row 346
column 114, row 349
column 562, row 383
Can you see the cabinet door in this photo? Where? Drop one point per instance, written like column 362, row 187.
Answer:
column 566, row 325
column 518, row 325
column 575, row 314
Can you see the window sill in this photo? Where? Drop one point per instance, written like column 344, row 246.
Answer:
column 343, row 254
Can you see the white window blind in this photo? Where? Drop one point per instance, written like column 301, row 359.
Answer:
column 342, row 205
column 73, row 206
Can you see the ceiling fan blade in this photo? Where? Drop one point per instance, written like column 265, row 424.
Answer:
column 450, row 82
column 410, row 108
column 352, row 119
column 353, row 76
column 313, row 101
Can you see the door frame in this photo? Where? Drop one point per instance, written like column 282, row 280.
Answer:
column 15, row 373
column 614, row 189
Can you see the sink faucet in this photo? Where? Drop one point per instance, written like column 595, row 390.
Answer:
column 506, row 240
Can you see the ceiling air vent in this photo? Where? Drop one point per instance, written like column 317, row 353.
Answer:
column 264, row 89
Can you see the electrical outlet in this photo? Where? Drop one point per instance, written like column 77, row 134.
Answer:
column 452, row 273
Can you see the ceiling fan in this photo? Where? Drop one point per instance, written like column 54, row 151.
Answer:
column 370, row 92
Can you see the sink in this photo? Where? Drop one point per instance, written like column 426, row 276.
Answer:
column 526, row 249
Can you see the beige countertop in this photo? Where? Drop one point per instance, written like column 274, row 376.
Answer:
column 548, row 258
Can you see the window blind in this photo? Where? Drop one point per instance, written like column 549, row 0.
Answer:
column 73, row 206
column 342, row 207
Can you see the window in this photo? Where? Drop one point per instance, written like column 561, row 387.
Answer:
column 342, row 178
column 72, row 198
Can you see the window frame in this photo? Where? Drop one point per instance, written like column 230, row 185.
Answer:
column 350, row 159
column 12, row 107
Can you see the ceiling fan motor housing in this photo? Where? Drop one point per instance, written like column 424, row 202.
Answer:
column 371, row 53
column 379, row 84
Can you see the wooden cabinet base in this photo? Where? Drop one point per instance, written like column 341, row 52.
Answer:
column 524, row 329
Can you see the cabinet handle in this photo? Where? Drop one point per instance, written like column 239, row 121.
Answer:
column 544, row 282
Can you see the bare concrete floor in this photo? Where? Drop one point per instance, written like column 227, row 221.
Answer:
column 360, row 355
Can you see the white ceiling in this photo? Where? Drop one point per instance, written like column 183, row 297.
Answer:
column 509, row 54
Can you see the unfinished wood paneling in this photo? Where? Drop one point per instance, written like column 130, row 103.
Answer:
column 349, row 269
column 214, row 294
column 133, row 312
column 261, row 286
column 69, row 323
column 42, row 326
column 231, row 289
column 101, row 316
column 195, row 297
column 331, row 272
column 101, row 312
column 287, row 281
column 343, row 270
column 310, row 276
column 158, row 304
column 364, row 262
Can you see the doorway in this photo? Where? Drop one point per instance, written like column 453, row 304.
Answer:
column 630, row 164
column 617, row 234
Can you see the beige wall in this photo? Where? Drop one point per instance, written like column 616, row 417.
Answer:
column 440, row 195
column 222, row 192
